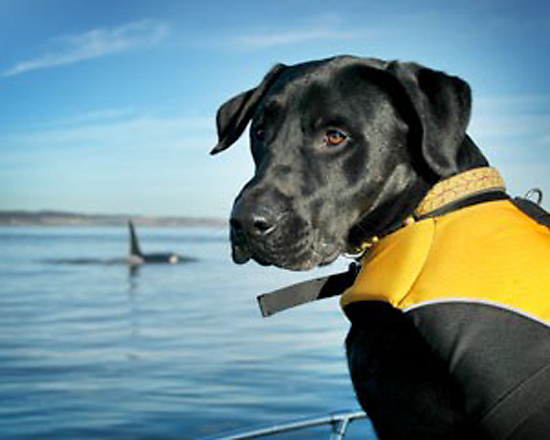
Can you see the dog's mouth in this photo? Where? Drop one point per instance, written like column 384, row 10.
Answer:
column 290, row 252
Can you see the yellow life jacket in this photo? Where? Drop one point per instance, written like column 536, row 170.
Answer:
column 491, row 252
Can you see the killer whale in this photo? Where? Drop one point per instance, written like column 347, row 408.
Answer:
column 137, row 257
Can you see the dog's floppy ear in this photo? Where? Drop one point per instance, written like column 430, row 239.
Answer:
column 234, row 115
column 442, row 104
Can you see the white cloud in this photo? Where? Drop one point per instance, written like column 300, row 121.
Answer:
column 507, row 126
column 317, row 28
column 113, row 128
column 96, row 43
column 513, row 132
column 286, row 38
column 512, row 104
column 110, row 162
column 512, row 123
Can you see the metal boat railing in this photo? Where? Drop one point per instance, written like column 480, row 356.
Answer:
column 338, row 422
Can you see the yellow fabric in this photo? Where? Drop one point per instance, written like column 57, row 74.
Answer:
column 490, row 252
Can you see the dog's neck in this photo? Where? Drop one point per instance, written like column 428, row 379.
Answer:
column 461, row 190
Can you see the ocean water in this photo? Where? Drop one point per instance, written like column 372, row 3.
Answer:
column 92, row 350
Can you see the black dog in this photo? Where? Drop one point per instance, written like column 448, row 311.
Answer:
column 346, row 149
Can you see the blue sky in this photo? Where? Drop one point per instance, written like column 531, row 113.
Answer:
column 109, row 106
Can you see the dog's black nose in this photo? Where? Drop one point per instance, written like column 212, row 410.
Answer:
column 249, row 228
column 258, row 220
column 254, row 224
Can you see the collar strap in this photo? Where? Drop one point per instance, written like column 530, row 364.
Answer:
column 458, row 187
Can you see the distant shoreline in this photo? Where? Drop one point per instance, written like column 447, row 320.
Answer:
column 62, row 218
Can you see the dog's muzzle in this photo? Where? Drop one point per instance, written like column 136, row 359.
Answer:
column 261, row 226
column 251, row 231
column 266, row 228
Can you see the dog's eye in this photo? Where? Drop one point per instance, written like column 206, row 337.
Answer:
column 259, row 132
column 334, row 138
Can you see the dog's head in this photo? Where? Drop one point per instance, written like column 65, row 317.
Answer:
column 344, row 148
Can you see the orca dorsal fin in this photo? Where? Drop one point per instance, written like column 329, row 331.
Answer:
column 134, row 243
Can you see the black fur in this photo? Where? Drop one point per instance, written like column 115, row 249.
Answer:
column 309, row 201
